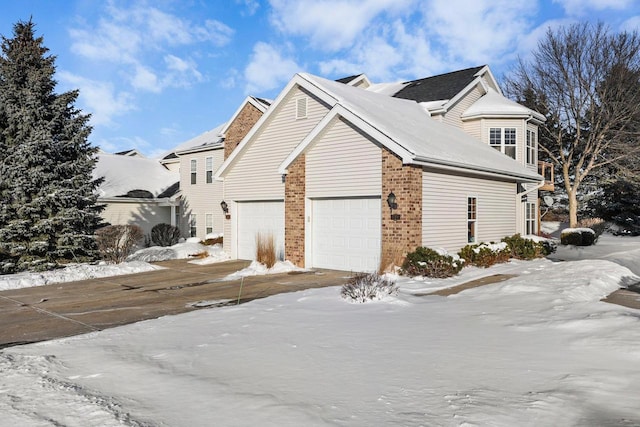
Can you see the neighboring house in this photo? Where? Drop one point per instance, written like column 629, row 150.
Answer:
column 342, row 174
column 196, row 161
column 136, row 190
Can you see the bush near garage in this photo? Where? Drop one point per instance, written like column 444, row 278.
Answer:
column 430, row 263
column 117, row 242
column 165, row 235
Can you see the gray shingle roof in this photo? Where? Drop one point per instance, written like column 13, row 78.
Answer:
column 443, row 86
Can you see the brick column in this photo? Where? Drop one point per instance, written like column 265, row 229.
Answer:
column 294, row 212
column 404, row 234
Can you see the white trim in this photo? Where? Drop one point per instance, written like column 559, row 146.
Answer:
column 360, row 78
column 165, row 201
column 297, row 81
column 200, row 148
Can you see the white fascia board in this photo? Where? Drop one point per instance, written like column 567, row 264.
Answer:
column 534, row 116
column 200, row 148
column 248, row 100
column 361, row 78
column 165, row 201
column 477, row 81
column 438, row 164
column 297, row 80
column 340, row 111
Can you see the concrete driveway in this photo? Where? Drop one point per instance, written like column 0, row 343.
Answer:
column 46, row 312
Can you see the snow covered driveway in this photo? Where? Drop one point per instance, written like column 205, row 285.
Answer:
column 539, row 349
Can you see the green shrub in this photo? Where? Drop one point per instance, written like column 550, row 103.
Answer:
column 578, row 236
column 429, row 263
column 485, row 255
column 525, row 249
column 165, row 235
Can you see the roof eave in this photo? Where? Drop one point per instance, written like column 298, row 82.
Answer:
column 200, row 148
column 494, row 173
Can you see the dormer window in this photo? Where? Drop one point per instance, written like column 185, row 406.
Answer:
column 301, row 108
column 503, row 140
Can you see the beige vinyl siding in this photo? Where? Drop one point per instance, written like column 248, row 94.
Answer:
column 452, row 117
column 444, row 209
column 254, row 175
column 201, row 198
column 473, row 128
column 145, row 215
column 343, row 162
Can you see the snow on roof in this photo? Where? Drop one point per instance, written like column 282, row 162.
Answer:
column 429, row 141
column 125, row 173
column 387, row 88
column 492, row 103
column 210, row 137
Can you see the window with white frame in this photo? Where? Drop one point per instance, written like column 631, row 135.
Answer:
column 503, row 140
column 192, row 225
column 208, row 167
column 530, row 218
column 194, row 170
column 301, row 108
column 208, row 223
column 178, row 217
column 531, row 148
column 472, row 217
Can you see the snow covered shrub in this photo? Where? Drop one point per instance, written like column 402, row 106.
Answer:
column 578, row 236
column 367, row 287
column 598, row 225
column 266, row 249
column 485, row 255
column 521, row 248
column 430, row 263
column 116, row 242
column 165, row 235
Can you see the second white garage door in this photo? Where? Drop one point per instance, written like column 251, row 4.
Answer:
column 259, row 217
column 346, row 234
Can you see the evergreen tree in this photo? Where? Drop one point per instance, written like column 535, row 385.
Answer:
column 49, row 212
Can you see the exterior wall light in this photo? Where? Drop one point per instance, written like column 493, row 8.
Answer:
column 225, row 207
column 391, row 201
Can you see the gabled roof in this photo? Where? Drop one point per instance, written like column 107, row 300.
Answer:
column 405, row 128
column 358, row 80
column 443, row 86
column 492, row 104
column 132, row 152
column 123, row 174
column 347, row 79
column 207, row 140
column 261, row 104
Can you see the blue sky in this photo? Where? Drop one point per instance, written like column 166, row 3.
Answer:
column 156, row 73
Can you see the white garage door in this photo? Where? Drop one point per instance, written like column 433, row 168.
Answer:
column 259, row 217
column 346, row 234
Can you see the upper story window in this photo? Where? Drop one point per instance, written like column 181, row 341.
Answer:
column 194, row 170
column 503, row 140
column 531, row 148
column 301, row 108
column 208, row 167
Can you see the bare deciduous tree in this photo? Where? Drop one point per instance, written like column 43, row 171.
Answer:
column 585, row 79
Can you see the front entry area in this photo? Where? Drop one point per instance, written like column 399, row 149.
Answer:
column 346, row 233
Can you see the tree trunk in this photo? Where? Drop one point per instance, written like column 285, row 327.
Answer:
column 573, row 207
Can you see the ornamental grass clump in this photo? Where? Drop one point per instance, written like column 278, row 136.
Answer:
column 428, row 262
column 266, row 249
column 366, row 287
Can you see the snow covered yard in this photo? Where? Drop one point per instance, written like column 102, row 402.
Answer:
column 539, row 349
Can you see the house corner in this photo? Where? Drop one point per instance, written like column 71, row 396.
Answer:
column 294, row 212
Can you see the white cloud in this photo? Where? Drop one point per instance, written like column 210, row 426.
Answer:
column 268, row 69
column 98, row 98
column 631, row 24
column 332, row 25
column 141, row 39
column 252, row 6
column 583, row 7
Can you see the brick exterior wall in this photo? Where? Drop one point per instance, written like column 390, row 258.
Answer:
column 294, row 215
column 404, row 234
column 243, row 122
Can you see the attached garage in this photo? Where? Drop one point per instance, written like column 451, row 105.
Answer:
column 346, row 233
column 266, row 217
